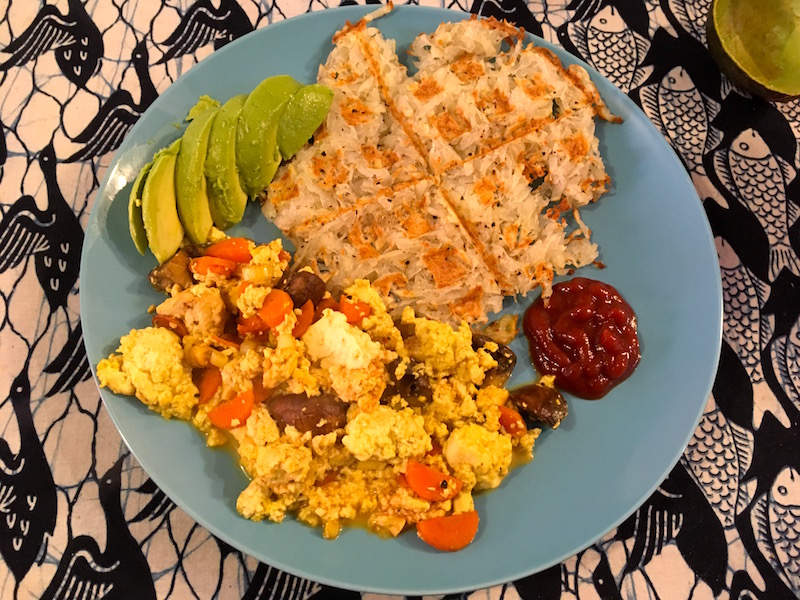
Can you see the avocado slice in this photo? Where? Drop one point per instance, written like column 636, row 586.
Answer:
column 257, row 153
column 159, row 205
column 190, row 180
column 135, row 219
column 303, row 115
column 757, row 44
column 226, row 198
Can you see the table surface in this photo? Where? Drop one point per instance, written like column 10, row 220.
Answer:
column 726, row 521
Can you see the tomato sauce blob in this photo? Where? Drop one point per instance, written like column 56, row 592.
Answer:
column 586, row 336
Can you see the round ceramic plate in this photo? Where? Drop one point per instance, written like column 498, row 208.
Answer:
column 587, row 477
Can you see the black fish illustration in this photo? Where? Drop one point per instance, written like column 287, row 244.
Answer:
column 785, row 355
column 684, row 115
column 717, row 458
column 612, row 48
column 775, row 517
column 746, row 330
column 72, row 363
column 86, row 571
column 52, row 236
column 202, row 24
column 74, row 37
column 119, row 112
column 791, row 110
column 678, row 513
column 759, row 178
column 692, row 16
column 27, row 492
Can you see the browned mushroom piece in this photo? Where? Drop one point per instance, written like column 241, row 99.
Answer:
column 303, row 286
column 174, row 271
column 317, row 414
column 414, row 386
column 505, row 357
column 540, row 403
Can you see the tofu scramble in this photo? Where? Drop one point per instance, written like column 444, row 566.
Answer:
column 338, row 412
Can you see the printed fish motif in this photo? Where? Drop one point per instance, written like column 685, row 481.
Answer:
column 717, row 458
column 791, row 110
column 692, row 16
column 776, row 525
column 785, row 354
column 612, row 48
column 758, row 178
column 658, row 19
column 746, row 330
column 684, row 115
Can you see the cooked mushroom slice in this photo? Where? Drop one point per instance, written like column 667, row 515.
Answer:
column 303, row 286
column 317, row 414
column 541, row 403
column 414, row 386
column 174, row 271
column 505, row 357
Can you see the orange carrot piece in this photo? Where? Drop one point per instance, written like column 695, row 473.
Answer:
column 247, row 325
column 234, row 249
column 354, row 310
column 233, row 412
column 512, row 421
column 174, row 324
column 451, row 532
column 304, row 319
column 323, row 304
column 276, row 306
column 431, row 484
column 207, row 381
column 203, row 265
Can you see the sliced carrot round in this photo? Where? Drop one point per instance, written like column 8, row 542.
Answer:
column 323, row 304
column 451, row 532
column 234, row 412
column 276, row 306
column 431, row 484
column 304, row 319
column 207, row 381
column 234, row 249
column 204, row 265
column 254, row 324
column 354, row 310
column 512, row 422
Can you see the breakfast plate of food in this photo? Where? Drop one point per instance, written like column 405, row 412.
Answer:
column 422, row 306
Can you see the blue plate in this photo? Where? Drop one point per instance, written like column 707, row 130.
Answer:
column 587, row 477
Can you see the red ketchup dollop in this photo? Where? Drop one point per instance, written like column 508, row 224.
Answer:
column 585, row 335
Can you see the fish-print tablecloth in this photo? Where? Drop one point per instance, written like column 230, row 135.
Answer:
column 75, row 76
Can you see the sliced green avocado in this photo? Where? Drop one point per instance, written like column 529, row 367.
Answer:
column 135, row 219
column 159, row 205
column 257, row 153
column 190, row 179
column 226, row 198
column 203, row 103
column 757, row 44
column 303, row 115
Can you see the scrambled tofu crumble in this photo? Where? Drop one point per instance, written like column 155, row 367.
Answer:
column 327, row 409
